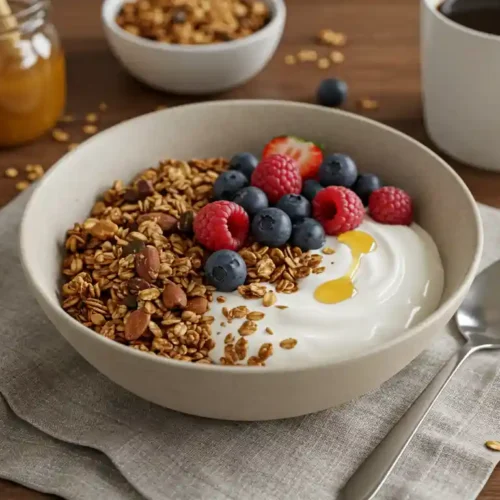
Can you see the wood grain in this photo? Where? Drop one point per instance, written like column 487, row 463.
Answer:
column 381, row 62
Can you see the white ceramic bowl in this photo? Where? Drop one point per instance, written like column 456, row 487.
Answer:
column 194, row 69
column 445, row 208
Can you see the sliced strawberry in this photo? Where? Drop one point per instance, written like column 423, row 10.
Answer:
column 307, row 155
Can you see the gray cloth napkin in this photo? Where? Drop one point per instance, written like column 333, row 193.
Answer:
column 66, row 429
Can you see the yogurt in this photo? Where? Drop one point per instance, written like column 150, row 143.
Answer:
column 380, row 281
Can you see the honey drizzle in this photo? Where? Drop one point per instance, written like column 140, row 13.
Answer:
column 340, row 289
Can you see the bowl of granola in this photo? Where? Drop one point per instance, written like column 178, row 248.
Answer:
column 237, row 272
column 193, row 46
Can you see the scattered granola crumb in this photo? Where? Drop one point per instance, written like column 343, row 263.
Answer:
column 247, row 328
column 328, row 250
column 103, row 107
column 337, row 57
column 288, row 343
column 73, row 145
column 368, row 104
column 22, row 185
column 90, row 129
column 221, row 299
column 265, row 351
column 282, row 307
column 269, row 331
column 307, row 55
column 290, row 59
column 269, row 299
column 255, row 315
column 323, row 63
column 60, row 135
column 11, row 173
column 91, row 117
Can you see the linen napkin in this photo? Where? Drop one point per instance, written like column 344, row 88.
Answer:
column 66, row 429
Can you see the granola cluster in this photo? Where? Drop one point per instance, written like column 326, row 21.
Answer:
column 134, row 272
column 193, row 22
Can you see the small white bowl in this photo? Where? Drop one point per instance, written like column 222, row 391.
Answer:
column 445, row 208
column 194, row 69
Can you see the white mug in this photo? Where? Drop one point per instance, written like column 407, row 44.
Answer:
column 461, row 88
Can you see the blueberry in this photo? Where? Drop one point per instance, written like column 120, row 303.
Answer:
column 331, row 92
column 295, row 206
column 225, row 270
column 338, row 170
column 365, row 185
column 272, row 227
column 311, row 188
column 308, row 234
column 244, row 163
column 252, row 199
column 228, row 183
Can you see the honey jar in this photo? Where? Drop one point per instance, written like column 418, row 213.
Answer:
column 32, row 71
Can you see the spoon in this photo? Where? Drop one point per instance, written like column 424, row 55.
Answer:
column 478, row 320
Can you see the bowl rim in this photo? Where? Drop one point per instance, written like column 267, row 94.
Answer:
column 108, row 14
column 24, row 234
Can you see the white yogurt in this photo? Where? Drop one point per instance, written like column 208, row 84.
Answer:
column 398, row 285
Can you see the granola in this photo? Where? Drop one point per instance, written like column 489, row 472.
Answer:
column 193, row 22
column 134, row 272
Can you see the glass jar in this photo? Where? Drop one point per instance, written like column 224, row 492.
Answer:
column 32, row 71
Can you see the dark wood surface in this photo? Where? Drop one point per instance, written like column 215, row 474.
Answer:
column 381, row 62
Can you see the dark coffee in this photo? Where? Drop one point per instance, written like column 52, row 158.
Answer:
column 479, row 15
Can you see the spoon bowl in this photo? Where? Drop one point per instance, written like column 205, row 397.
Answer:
column 478, row 318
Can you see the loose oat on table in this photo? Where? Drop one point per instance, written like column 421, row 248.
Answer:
column 493, row 445
column 290, row 59
column 193, row 22
column 60, row 135
column 368, row 104
column 22, row 185
column 90, row 129
column 67, row 119
column 307, row 55
column 134, row 274
column 330, row 37
column 11, row 173
column 337, row 57
column 91, row 117
column 103, row 107
column 323, row 63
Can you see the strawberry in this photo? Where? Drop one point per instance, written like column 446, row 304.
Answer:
column 306, row 154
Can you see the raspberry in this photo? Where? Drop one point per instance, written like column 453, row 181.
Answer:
column 338, row 209
column 391, row 205
column 277, row 175
column 221, row 225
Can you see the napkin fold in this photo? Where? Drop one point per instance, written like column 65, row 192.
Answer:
column 67, row 430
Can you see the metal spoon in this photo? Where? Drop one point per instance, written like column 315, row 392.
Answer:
column 478, row 320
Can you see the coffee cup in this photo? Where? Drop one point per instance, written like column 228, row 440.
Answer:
column 461, row 90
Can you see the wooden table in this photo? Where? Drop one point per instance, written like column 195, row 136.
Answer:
column 381, row 62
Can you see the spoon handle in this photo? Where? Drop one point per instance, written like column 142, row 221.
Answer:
column 367, row 480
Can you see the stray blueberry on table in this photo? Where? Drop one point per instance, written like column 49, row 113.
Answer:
column 331, row 92
column 365, row 185
column 311, row 188
column 225, row 270
column 252, row 199
column 308, row 234
column 338, row 170
column 272, row 227
column 244, row 163
column 228, row 184
column 295, row 206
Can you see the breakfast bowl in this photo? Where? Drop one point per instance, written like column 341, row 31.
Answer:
column 194, row 69
column 443, row 207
